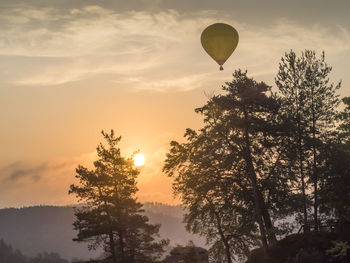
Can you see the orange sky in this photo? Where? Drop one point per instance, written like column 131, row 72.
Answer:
column 69, row 69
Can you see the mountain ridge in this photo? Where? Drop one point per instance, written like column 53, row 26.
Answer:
column 36, row 229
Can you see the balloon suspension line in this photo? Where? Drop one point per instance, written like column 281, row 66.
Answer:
column 221, row 68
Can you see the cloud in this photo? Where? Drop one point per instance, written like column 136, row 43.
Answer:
column 20, row 174
column 157, row 51
column 19, row 171
column 168, row 85
column 25, row 183
column 48, row 182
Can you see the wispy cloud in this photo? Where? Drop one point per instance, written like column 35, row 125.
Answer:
column 24, row 183
column 143, row 49
column 19, row 171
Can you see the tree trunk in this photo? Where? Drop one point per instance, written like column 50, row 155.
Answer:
column 223, row 238
column 315, row 177
column 306, row 225
column 121, row 243
column 110, row 234
column 301, row 163
column 252, row 175
column 112, row 247
column 258, row 209
column 228, row 253
column 120, row 232
column 267, row 220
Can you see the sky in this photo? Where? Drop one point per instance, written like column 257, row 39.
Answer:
column 71, row 68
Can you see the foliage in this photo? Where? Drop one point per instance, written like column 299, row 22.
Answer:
column 339, row 249
column 263, row 157
column 230, row 167
column 335, row 190
column 344, row 118
column 111, row 217
column 309, row 105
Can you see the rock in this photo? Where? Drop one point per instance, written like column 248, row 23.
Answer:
column 187, row 254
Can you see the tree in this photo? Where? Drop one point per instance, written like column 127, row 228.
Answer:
column 335, row 186
column 309, row 103
column 323, row 102
column 231, row 166
column 289, row 82
column 111, row 216
column 344, row 126
column 208, row 188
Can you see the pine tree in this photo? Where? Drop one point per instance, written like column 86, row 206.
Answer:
column 248, row 112
column 289, row 82
column 344, row 126
column 334, row 192
column 232, row 165
column 309, row 104
column 335, row 185
column 212, row 191
column 111, row 216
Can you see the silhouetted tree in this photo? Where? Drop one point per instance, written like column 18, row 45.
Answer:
column 309, row 104
column 111, row 216
column 335, row 186
column 289, row 82
column 344, row 127
column 231, row 166
column 212, row 193
column 267, row 153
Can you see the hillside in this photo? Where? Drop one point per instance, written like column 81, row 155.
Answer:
column 36, row 229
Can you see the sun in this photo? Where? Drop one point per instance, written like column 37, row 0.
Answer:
column 139, row 159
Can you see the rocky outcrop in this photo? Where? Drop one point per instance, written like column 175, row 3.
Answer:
column 187, row 254
column 303, row 248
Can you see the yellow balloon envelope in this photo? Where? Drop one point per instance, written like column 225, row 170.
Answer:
column 219, row 41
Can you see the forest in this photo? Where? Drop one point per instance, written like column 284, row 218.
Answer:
column 265, row 179
column 269, row 167
column 268, row 164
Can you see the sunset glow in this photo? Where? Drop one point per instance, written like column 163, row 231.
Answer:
column 70, row 69
column 174, row 131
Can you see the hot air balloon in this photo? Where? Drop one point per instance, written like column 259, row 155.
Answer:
column 219, row 41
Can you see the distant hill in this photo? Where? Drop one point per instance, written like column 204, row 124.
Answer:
column 170, row 218
column 10, row 255
column 33, row 230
